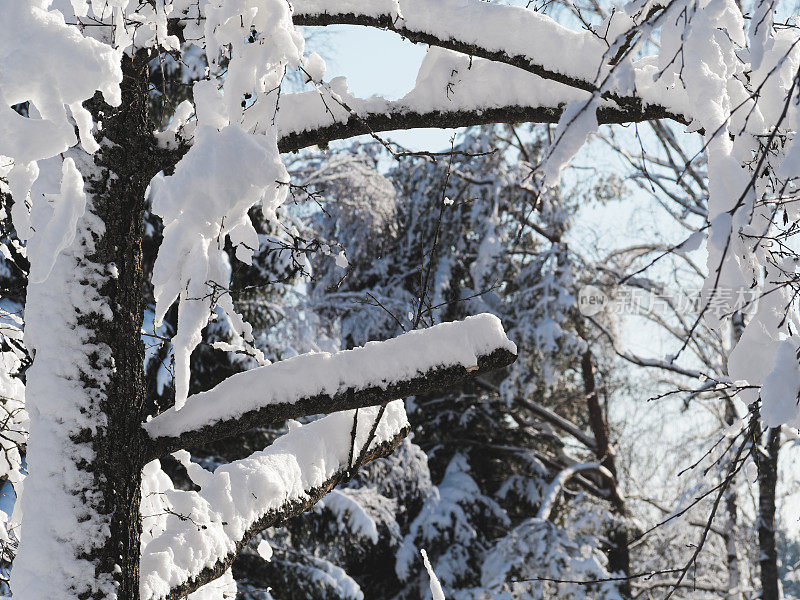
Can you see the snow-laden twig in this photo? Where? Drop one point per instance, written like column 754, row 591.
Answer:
column 554, row 489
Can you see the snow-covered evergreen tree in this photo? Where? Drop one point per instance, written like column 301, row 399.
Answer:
column 455, row 236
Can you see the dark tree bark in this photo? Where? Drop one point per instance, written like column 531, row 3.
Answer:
column 124, row 165
column 619, row 559
column 767, row 463
column 732, row 525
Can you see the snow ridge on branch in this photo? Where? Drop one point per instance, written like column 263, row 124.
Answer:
column 202, row 532
column 322, row 382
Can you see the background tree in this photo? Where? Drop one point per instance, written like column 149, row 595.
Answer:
column 453, row 238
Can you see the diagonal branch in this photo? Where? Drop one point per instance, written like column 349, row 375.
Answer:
column 549, row 416
column 441, row 33
column 275, row 518
column 442, row 23
column 414, row 363
column 560, row 422
column 244, row 497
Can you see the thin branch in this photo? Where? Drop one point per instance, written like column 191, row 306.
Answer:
column 369, row 123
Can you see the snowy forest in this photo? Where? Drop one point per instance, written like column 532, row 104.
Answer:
column 261, row 339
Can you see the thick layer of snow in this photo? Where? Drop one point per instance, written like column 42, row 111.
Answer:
column 780, row 394
column 155, row 509
column 58, row 501
column 226, row 172
column 51, row 65
column 375, row 364
column 203, row 527
column 514, row 30
column 55, row 225
column 58, row 69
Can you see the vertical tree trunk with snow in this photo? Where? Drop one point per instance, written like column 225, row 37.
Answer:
column 767, row 463
column 619, row 559
column 731, row 494
column 732, row 523
column 86, row 387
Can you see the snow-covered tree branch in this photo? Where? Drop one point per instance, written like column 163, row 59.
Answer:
column 414, row 363
column 443, row 25
column 241, row 499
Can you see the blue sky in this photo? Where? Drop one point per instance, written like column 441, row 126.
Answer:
column 378, row 63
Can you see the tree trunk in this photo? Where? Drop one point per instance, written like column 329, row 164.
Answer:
column 125, row 171
column 86, row 387
column 619, row 559
column 767, row 463
column 732, row 524
column 731, row 494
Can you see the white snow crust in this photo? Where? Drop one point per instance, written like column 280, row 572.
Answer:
column 375, row 364
column 203, row 527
